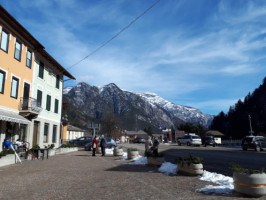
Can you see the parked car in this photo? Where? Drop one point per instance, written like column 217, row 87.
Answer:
column 257, row 143
column 109, row 142
column 139, row 140
column 117, row 141
column 189, row 140
column 81, row 141
column 208, row 140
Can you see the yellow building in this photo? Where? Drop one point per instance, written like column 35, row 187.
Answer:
column 18, row 102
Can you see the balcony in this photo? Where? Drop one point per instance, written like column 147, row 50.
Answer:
column 29, row 108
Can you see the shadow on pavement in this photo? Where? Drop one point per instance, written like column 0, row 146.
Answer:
column 135, row 168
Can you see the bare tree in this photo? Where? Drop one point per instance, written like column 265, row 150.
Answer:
column 111, row 125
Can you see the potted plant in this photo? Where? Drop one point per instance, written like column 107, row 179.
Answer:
column 193, row 165
column 118, row 151
column 155, row 159
column 35, row 151
column 51, row 150
column 132, row 153
column 249, row 181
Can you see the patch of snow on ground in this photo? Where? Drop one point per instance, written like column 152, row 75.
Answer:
column 140, row 160
column 168, row 168
column 226, row 183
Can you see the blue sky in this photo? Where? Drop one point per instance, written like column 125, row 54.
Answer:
column 205, row 54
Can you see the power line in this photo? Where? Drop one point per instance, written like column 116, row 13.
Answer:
column 116, row 35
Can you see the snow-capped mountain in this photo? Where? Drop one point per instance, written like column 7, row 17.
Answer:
column 182, row 112
column 136, row 110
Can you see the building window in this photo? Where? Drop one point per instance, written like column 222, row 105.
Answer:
column 4, row 40
column 41, row 70
column 54, row 134
column 29, row 58
column 57, row 81
column 48, row 102
column 39, row 98
column 46, row 133
column 18, row 48
column 56, row 102
column 14, row 88
column 2, row 81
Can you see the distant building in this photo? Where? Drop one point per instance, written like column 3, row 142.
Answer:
column 133, row 134
column 73, row 132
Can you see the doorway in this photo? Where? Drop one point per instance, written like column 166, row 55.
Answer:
column 35, row 133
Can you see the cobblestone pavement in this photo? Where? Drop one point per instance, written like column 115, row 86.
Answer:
column 79, row 176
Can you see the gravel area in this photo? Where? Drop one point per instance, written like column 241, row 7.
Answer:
column 78, row 175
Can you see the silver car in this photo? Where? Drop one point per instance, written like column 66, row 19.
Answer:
column 189, row 140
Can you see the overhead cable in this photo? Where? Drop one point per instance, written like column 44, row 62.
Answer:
column 115, row 36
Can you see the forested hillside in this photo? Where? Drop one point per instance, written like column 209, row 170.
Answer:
column 235, row 123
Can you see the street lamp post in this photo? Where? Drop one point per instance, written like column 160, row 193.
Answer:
column 251, row 132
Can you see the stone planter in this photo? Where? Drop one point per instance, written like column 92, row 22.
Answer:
column 132, row 154
column 65, row 150
column 118, row 152
column 250, row 184
column 192, row 169
column 7, row 160
column 158, row 161
column 51, row 152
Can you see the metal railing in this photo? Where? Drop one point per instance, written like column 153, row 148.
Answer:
column 30, row 105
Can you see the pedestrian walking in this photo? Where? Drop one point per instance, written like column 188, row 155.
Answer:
column 148, row 146
column 103, row 145
column 94, row 145
column 155, row 146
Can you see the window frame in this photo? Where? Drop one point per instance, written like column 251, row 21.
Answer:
column 41, row 72
column 45, row 133
column 3, row 83
column 54, row 133
column 14, row 78
column 30, row 63
column 39, row 92
column 20, row 50
column 57, row 82
column 56, row 106
column 48, row 103
column 7, row 42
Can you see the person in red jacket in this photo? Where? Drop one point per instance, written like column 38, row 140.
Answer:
column 94, row 145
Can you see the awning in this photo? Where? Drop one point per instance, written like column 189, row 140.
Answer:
column 12, row 117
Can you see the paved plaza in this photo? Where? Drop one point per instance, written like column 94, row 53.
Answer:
column 79, row 176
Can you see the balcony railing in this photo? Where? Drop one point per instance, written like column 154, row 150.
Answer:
column 30, row 105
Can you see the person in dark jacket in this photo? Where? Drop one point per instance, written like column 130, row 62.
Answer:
column 94, row 145
column 155, row 146
column 103, row 145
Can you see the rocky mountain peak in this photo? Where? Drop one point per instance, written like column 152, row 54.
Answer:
column 149, row 108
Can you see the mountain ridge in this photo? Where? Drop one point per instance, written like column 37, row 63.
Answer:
column 136, row 110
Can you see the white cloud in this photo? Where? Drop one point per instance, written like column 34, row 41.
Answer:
column 212, row 105
column 238, row 70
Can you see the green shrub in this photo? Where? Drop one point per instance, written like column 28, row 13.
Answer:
column 132, row 149
column 6, row 152
column 35, row 147
column 237, row 168
column 68, row 145
column 51, row 146
column 152, row 155
column 190, row 160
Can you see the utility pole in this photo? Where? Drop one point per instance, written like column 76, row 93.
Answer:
column 251, row 132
